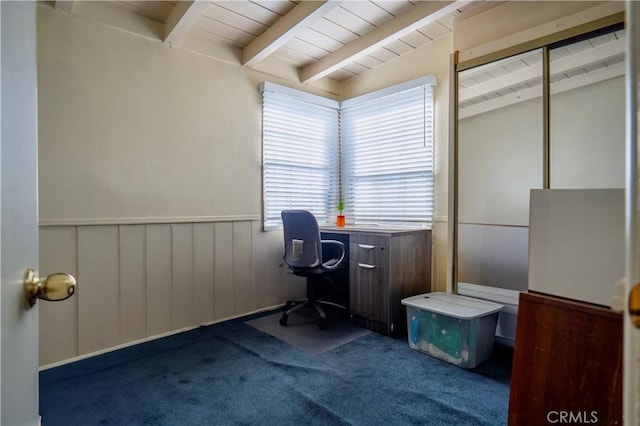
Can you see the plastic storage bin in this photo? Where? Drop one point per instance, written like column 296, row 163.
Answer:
column 453, row 328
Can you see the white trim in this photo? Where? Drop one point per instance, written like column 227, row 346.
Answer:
column 507, row 297
column 440, row 219
column 114, row 348
column 429, row 79
column 631, row 335
column 299, row 94
column 505, row 341
column 505, row 225
column 145, row 220
column 149, row 339
column 576, row 19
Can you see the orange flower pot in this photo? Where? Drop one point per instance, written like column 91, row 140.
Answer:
column 341, row 220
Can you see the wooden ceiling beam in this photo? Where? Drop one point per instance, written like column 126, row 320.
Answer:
column 423, row 13
column 183, row 16
column 597, row 76
column 304, row 14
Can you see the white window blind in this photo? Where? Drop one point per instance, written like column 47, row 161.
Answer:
column 387, row 148
column 300, row 154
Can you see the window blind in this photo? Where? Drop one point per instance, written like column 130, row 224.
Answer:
column 387, row 148
column 300, row 154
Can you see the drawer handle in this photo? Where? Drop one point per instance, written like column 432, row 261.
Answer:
column 366, row 246
column 366, row 266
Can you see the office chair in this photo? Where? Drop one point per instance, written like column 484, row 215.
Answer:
column 303, row 256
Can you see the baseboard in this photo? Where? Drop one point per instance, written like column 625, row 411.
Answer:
column 504, row 296
column 151, row 338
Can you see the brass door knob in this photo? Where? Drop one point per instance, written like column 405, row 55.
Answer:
column 54, row 287
column 634, row 305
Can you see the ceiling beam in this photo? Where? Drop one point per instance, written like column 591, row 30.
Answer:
column 423, row 13
column 183, row 16
column 65, row 6
column 304, row 14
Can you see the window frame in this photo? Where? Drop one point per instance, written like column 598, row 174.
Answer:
column 336, row 186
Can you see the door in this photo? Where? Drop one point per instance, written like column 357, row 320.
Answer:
column 18, row 213
column 631, row 413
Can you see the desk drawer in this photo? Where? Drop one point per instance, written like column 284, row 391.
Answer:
column 368, row 296
column 373, row 239
column 371, row 254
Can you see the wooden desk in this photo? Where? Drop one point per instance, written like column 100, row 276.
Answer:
column 567, row 358
column 385, row 266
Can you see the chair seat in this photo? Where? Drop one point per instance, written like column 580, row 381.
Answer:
column 331, row 262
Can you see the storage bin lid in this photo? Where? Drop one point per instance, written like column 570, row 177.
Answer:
column 452, row 305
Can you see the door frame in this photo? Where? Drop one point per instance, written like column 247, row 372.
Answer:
column 631, row 345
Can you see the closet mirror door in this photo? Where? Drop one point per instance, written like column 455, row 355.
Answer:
column 576, row 245
column 587, row 112
column 500, row 154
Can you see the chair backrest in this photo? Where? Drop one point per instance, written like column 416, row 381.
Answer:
column 302, row 246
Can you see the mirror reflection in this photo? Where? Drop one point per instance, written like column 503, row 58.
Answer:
column 500, row 145
column 587, row 112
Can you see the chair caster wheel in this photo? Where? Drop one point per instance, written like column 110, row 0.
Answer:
column 323, row 323
column 283, row 319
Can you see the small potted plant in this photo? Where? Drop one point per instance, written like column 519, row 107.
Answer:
column 340, row 219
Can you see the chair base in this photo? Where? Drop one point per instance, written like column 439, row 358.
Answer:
column 317, row 304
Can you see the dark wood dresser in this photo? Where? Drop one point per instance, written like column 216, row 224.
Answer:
column 567, row 363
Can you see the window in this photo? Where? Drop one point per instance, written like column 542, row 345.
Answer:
column 375, row 152
column 387, row 143
column 299, row 155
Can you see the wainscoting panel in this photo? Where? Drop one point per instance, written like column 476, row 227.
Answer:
column 271, row 281
column 224, row 293
column 158, row 274
column 133, row 292
column 203, row 271
column 137, row 281
column 59, row 320
column 183, row 314
column 243, row 291
column 98, row 288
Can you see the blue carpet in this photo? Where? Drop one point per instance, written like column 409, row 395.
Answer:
column 233, row 374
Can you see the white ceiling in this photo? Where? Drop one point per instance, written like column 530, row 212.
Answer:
column 334, row 39
column 342, row 39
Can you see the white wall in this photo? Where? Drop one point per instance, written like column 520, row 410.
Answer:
column 132, row 128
